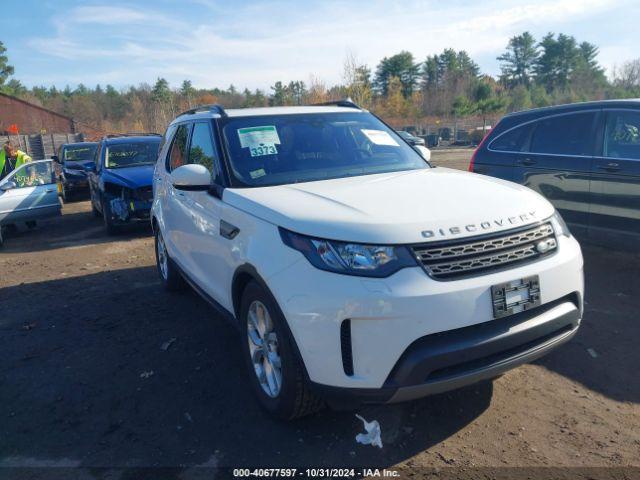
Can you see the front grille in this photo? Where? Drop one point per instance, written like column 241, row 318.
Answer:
column 480, row 255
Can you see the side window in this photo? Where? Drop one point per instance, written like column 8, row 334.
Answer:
column 202, row 150
column 178, row 152
column 513, row 140
column 622, row 135
column 34, row 174
column 564, row 135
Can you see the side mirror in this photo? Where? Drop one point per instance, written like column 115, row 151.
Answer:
column 8, row 186
column 423, row 151
column 90, row 167
column 191, row 177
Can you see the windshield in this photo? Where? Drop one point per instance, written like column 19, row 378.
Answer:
column 281, row 149
column 79, row 153
column 123, row 155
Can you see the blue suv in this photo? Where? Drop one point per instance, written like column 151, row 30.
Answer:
column 584, row 157
column 121, row 180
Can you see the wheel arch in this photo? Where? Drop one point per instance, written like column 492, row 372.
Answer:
column 243, row 275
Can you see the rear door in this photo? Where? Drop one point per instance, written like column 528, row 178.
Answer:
column 615, row 187
column 34, row 196
column 502, row 151
column 557, row 162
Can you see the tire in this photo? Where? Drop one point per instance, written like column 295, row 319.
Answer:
column 170, row 276
column 111, row 228
column 285, row 395
column 95, row 211
column 1, row 239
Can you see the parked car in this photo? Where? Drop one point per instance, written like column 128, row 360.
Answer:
column 75, row 159
column 584, row 157
column 410, row 139
column 120, row 183
column 28, row 194
column 355, row 272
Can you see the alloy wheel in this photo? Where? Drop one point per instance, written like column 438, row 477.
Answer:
column 263, row 347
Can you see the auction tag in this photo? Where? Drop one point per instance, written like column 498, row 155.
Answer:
column 380, row 137
column 260, row 150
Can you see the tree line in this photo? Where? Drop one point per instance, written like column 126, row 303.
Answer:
column 401, row 89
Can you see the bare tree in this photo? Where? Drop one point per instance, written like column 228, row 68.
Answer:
column 628, row 74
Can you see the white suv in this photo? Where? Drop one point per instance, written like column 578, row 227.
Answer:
column 356, row 271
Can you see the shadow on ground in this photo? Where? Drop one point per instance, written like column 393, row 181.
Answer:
column 610, row 328
column 84, row 380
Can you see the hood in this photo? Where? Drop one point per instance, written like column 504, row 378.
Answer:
column 393, row 208
column 132, row 177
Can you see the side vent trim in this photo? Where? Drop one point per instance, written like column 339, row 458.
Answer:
column 346, row 347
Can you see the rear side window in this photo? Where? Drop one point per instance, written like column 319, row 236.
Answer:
column 178, row 154
column 513, row 140
column 622, row 135
column 564, row 135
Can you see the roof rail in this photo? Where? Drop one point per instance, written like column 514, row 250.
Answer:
column 133, row 134
column 346, row 102
column 212, row 108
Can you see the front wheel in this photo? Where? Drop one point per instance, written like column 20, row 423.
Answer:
column 107, row 218
column 275, row 372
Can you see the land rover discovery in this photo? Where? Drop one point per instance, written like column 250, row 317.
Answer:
column 355, row 271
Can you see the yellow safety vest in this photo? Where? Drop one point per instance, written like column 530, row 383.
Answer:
column 21, row 159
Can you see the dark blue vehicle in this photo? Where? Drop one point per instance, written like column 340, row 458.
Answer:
column 584, row 157
column 76, row 160
column 121, row 182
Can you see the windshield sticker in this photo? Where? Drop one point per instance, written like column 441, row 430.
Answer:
column 256, row 136
column 257, row 173
column 380, row 137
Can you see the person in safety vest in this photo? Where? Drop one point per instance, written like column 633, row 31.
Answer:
column 11, row 158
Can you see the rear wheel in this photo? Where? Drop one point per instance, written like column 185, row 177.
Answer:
column 169, row 273
column 275, row 372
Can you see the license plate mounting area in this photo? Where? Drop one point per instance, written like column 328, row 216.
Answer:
column 515, row 296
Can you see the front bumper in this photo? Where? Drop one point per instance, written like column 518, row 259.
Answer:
column 411, row 336
column 441, row 362
column 130, row 211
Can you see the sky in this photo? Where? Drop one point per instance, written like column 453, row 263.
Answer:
column 216, row 43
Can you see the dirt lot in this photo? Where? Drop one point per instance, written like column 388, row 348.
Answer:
column 85, row 382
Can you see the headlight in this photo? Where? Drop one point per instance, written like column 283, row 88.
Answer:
column 559, row 226
column 350, row 258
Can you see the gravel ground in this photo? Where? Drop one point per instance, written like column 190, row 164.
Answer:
column 101, row 369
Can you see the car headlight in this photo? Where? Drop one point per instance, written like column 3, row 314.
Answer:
column 350, row 258
column 559, row 225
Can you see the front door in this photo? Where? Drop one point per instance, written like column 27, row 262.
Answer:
column 208, row 250
column 29, row 193
column 615, row 207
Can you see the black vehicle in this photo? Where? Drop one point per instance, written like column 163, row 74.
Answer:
column 409, row 138
column 121, row 181
column 584, row 157
column 75, row 159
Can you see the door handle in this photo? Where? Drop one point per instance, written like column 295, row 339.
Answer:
column 528, row 162
column 49, row 190
column 610, row 167
column 228, row 231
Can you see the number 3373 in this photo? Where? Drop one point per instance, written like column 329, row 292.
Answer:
column 263, row 150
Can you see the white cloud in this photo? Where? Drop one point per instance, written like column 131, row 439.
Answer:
column 254, row 45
